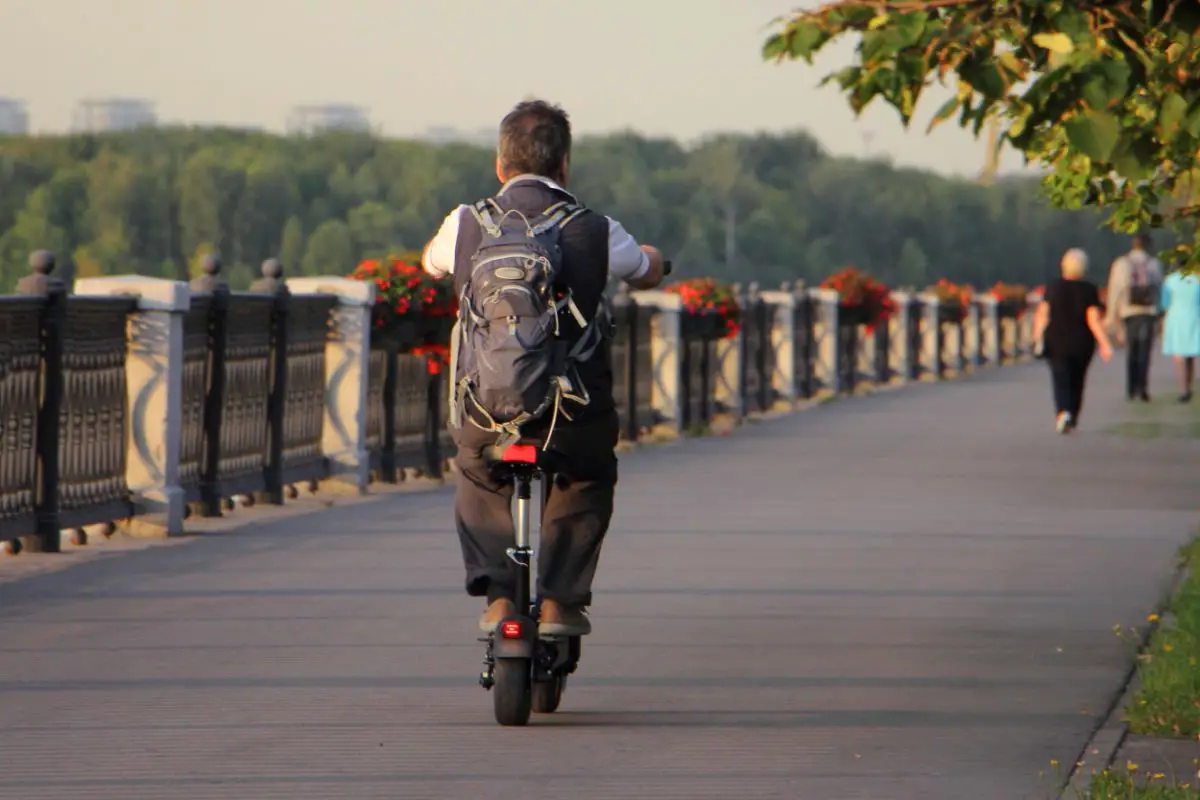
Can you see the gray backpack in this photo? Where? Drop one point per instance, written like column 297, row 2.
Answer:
column 511, row 360
column 1142, row 289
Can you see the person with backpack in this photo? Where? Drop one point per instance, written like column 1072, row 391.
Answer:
column 530, row 360
column 1134, row 283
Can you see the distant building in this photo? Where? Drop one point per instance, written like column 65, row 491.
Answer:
column 308, row 120
column 114, row 114
column 14, row 120
column 445, row 134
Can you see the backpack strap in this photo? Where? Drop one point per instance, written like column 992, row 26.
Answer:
column 484, row 217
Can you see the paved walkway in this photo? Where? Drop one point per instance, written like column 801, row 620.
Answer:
column 909, row 595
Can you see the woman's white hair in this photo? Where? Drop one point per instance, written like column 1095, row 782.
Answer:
column 1074, row 263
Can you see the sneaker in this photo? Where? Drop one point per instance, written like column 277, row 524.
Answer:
column 1145, row 397
column 1064, row 423
column 496, row 613
column 1186, row 397
column 560, row 620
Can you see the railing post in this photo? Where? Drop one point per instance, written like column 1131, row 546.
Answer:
column 803, row 330
column 973, row 335
column 212, row 283
column 782, row 320
column 898, row 330
column 154, row 381
column 733, row 360
column 826, row 361
column 272, row 283
column 992, row 335
column 932, row 339
column 433, row 419
column 666, row 355
column 347, row 357
column 883, row 353
column 40, row 283
column 387, row 445
column 625, row 313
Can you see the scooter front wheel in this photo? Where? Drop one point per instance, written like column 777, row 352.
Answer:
column 548, row 694
column 513, row 691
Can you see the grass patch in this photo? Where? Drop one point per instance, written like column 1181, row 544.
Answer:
column 1115, row 784
column 1164, row 418
column 1168, row 700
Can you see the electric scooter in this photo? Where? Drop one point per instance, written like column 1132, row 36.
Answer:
column 526, row 671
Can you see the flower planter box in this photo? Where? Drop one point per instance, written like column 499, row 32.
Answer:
column 1009, row 309
column 954, row 314
column 852, row 315
column 703, row 325
column 403, row 334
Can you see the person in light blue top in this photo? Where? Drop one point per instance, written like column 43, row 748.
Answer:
column 1180, row 300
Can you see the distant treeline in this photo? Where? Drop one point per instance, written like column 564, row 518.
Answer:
column 765, row 208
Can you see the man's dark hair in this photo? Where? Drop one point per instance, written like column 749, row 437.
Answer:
column 535, row 137
column 1141, row 241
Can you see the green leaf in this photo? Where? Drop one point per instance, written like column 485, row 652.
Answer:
column 1192, row 124
column 1093, row 133
column 1171, row 114
column 944, row 113
column 909, row 28
column 1108, row 84
column 804, row 39
column 1133, row 158
column 775, row 47
column 1054, row 42
column 984, row 77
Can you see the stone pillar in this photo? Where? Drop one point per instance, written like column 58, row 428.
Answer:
column 825, row 332
column 972, row 343
column 898, row 337
column 931, row 335
column 729, row 391
column 347, row 357
column 154, row 377
column 781, row 312
column 991, row 329
column 664, row 353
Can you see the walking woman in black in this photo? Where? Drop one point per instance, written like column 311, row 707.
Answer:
column 1070, row 327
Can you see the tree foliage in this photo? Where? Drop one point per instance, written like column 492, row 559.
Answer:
column 740, row 208
column 1106, row 93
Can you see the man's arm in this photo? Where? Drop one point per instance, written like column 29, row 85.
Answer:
column 438, row 256
column 641, row 266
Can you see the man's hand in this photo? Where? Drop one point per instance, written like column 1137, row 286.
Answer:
column 653, row 276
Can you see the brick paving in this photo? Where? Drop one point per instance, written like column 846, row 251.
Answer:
column 909, row 595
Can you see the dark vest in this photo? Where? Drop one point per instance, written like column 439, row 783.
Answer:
column 584, row 268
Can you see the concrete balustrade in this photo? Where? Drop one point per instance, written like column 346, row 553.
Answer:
column 225, row 394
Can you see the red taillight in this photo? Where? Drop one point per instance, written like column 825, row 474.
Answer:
column 511, row 630
column 520, row 454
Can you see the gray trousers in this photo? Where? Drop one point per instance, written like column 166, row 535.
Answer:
column 576, row 517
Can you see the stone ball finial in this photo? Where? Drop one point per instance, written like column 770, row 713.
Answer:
column 272, row 268
column 211, row 265
column 41, row 262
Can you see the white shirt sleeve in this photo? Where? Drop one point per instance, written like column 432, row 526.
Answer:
column 438, row 258
column 626, row 261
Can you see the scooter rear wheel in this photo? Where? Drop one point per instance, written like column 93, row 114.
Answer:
column 512, row 693
column 547, row 695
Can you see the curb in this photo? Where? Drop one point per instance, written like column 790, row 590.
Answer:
column 1106, row 739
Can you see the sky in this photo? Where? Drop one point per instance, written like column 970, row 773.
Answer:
column 679, row 68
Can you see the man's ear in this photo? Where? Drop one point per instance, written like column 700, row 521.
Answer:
column 500, row 171
column 563, row 169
